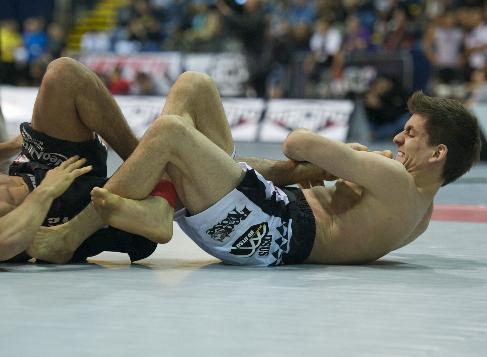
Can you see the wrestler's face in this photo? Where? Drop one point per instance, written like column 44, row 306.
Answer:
column 413, row 150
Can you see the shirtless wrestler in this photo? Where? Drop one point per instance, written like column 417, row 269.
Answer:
column 196, row 99
column 44, row 188
column 233, row 213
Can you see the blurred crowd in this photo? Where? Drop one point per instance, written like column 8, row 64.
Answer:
column 447, row 40
column 26, row 50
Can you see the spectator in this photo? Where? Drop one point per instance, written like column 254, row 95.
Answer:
column 302, row 11
column 250, row 26
column 379, row 29
column 117, row 84
column 95, row 41
column 442, row 45
column 174, row 11
column 35, row 38
column 398, row 37
column 477, row 88
column 435, row 8
column 325, row 45
column 154, row 37
column 144, row 84
column 357, row 37
column 56, row 40
column 281, row 48
column 385, row 105
column 476, row 40
column 10, row 43
column 205, row 28
column 301, row 36
column 279, row 16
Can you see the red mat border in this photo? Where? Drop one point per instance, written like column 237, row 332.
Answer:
column 461, row 213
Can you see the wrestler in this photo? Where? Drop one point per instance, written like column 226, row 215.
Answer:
column 71, row 107
column 235, row 214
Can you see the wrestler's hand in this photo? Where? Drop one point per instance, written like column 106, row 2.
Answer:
column 358, row 147
column 58, row 180
column 361, row 147
column 386, row 153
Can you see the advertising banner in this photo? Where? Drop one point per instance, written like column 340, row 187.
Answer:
column 250, row 120
column 330, row 118
column 228, row 70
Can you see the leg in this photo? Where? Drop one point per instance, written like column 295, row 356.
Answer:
column 195, row 99
column 204, row 173
column 73, row 103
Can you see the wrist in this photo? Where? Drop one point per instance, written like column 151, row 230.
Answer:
column 43, row 193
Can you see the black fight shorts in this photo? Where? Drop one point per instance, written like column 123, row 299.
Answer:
column 41, row 153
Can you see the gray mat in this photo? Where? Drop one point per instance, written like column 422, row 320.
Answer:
column 427, row 299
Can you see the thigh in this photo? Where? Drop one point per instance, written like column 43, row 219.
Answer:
column 201, row 171
column 55, row 111
column 194, row 97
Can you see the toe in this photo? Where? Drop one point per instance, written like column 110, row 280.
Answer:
column 98, row 202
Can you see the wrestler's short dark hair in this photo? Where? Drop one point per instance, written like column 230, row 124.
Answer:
column 448, row 122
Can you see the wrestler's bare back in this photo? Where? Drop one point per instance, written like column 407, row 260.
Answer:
column 356, row 227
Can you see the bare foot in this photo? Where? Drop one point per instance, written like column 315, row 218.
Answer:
column 150, row 218
column 51, row 244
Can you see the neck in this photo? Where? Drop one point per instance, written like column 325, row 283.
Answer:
column 428, row 184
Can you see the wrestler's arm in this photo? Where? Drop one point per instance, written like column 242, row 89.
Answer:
column 286, row 172
column 18, row 227
column 377, row 173
column 10, row 148
column 290, row 172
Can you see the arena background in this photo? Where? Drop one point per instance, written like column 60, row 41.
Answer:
column 343, row 69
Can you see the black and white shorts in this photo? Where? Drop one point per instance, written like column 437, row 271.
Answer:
column 255, row 224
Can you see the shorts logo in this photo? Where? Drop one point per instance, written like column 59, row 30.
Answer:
column 32, row 180
column 21, row 159
column 28, row 138
column 256, row 238
column 50, row 158
column 222, row 230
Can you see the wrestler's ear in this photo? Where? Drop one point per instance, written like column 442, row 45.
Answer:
column 439, row 154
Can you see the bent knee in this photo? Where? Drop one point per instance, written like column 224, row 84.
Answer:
column 168, row 126
column 195, row 80
column 168, row 131
column 63, row 73
column 195, row 77
column 63, row 65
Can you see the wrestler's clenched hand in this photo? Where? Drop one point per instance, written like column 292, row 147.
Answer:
column 58, row 179
column 386, row 153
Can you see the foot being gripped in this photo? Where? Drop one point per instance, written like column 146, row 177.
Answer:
column 151, row 218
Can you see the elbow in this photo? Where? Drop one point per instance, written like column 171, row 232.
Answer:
column 293, row 146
